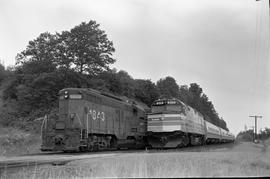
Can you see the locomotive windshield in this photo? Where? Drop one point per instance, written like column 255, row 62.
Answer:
column 166, row 102
column 167, row 105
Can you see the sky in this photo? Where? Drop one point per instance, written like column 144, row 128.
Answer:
column 222, row 45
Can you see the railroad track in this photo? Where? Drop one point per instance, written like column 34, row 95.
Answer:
column 60, row 158
column 55, row 159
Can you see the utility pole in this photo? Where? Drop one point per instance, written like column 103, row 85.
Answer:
column 255, row 133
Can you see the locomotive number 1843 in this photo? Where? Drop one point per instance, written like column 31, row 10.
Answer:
column 97, row 114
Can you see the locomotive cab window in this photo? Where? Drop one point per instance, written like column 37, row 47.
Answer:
column 166, row 102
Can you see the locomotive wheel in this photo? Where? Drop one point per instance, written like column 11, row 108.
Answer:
column 113, row 143
column 90, row 148
column 82, row 148
column 188, row 141
column 96, row 148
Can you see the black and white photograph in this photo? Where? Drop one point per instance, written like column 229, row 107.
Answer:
column 134, row 89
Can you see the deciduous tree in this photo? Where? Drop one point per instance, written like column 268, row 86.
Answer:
column 168, row 87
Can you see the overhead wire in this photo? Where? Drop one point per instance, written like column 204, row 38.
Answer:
column 261, row 52
column 255, row 56
column 262, row 66
column 260, row 84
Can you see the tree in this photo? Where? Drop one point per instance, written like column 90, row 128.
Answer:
column 127, row 84
column 63, row 55
column 39, row 56
column 2, row 72
column 120, row 83
column 195, row 92
column 84, row 49
column 184, row 94
column 90, row 48
column 146, row 91
column 245, row 135
column 264, row 134
column 168, row 87
column 108, row 81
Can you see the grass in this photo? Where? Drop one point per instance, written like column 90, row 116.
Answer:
column 16, row 142
column 228, row 163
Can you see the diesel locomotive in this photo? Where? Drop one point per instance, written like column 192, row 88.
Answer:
column 90, row 120
column 172, row 124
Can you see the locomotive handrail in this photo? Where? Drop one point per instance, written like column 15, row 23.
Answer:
column 79, row 119
column 43, row 122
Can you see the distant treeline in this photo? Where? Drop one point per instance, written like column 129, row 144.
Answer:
column 81, row 58
column 248, row 135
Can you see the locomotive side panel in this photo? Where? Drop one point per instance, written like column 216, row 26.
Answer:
column 135, row 122
column 213, row 131
column 116, row 119
column 122, row 125
column 224, row 136
column 91, row 109
column 194, row 122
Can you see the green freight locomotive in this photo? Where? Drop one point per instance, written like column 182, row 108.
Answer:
column 90, row 120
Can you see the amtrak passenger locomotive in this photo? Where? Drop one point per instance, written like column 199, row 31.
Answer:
column 172, row 123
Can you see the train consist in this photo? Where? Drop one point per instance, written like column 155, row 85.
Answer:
column 172, row 123
column 89, row 120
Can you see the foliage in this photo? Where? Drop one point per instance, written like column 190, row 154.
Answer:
column 248, row 135
column 2, row 72
column 146, row 91
column 264, row 134
column 168, row 87
column 84, row 49
column 14, row 141
column 90, row 48
column 38, row 57
column 80, row 58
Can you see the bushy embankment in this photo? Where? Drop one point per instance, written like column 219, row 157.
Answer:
column 15, row 141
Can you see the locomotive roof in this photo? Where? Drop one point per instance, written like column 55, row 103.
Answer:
column 122, row 99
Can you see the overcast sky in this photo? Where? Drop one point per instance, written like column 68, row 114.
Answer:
column 222, row 45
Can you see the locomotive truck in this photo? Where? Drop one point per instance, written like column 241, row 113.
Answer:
column 89, row 120
column 172, row 124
